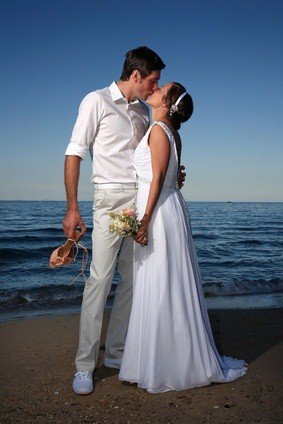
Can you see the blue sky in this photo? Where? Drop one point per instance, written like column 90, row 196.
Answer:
column 227, row 54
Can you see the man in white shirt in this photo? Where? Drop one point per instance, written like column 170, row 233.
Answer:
column 110, row 124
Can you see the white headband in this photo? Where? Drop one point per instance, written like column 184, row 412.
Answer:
column 174, row 107
column 180, row 98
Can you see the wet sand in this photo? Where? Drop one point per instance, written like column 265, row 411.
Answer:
column 37, row 366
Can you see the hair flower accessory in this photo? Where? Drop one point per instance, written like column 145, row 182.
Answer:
column 174, row 107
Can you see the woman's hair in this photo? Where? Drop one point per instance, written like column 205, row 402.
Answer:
column 185, row 106
column 142, row 59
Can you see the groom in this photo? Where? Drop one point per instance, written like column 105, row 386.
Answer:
column 110, row 123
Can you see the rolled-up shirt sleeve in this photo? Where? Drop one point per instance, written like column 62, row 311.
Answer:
column 85, row 128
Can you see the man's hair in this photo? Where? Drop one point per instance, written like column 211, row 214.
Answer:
column 142, row 59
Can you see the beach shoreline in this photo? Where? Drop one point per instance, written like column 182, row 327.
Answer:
column 38, row 365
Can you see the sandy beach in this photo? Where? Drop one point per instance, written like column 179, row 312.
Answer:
column 37, row 366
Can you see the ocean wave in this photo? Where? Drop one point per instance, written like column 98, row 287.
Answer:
column 30, row 238
column 37, row 229
column 30, row 252
column 237, row 264
column 242, row 287
column 50, row 296
column 199, row 236
column 54, row 296
column 243, row 228
column 249, row 242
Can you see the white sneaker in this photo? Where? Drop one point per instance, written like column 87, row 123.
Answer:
column 83, row 383
column 113, row 363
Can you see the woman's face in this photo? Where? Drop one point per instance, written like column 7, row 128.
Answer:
column 159, row 96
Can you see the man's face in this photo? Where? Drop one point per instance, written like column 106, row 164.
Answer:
column 148, row 85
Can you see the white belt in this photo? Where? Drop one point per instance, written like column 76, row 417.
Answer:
column 113, row 186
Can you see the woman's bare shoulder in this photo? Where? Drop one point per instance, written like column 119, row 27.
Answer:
column 157, row 133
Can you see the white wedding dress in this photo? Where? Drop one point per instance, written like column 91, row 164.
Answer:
column 169, row 343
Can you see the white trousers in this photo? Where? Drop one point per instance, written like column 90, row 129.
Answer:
column 105, row 247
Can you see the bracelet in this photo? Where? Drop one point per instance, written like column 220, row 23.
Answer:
column 73, row 209
column 145, row 219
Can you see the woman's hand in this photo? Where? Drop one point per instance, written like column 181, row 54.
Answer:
column 142, row 235
column 181, row 176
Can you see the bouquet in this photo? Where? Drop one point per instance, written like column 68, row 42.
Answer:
column 125, row 222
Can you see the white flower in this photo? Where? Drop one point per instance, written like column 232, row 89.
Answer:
column 125, row 222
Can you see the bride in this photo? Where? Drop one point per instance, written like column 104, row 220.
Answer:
column 169, row 343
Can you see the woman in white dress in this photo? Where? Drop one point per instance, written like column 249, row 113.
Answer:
column 169, row 343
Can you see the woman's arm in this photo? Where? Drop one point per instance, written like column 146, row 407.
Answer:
column 160, row 154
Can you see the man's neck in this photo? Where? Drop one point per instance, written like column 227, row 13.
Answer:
column 126, row 90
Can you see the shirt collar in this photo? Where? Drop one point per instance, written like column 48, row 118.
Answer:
column 117, row 95
column 115, row 92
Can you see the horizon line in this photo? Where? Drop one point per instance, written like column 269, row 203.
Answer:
column 187, row 200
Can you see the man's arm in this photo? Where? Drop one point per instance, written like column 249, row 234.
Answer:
column 73, row 217
column 81, row 140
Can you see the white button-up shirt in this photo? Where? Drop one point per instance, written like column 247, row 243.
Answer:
column 110, row 128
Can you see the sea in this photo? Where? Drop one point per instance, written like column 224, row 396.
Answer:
column 239, row 247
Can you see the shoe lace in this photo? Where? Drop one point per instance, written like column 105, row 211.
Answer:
column 77, row 246
column 83, row 375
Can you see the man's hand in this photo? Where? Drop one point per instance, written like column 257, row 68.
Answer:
column 181, row 176
column 72, row 221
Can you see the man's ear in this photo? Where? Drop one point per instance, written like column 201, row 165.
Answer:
column 136, row 76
